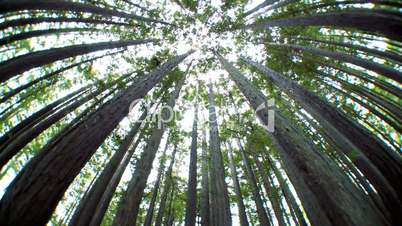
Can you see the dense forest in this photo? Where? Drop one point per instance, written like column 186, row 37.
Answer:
column 212, row 113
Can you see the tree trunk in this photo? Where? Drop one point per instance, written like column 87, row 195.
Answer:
column 38, row 20
column 275, row 202
column 221, row 208
column 17, row 90
column 129, row 205
column 260, row 6
column 86, row 208
column 262, row 215
column 204, row 196
column 166, row 190
column 151, row 208
column 236, row 184
column 380, row 164
column 42, row 190
column 13, row 6
column 191, row 202
column 366, row 20
column 20, row 64
column 367, row 64
column 329, row 197
column 37, row 33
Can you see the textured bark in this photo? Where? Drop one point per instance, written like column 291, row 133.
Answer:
column 275, row 202
column 46, row 177
column 107, row 196
column 151, row 208
column 38, row 20
column 129, row 205
column 262, row 214
column 49, row 76
column 166, row 190
column 37, row 33
column 13, row 6
column 236, row 184
column 260, row 6
column 83, row 214
column 329, row 197
column 383, row 54
column 367, row 64
column 20, row 64
column 220, row 208
column 366, row 20
column 35, row 117
column 204, row 196
column 380, row 164
column 191, row 202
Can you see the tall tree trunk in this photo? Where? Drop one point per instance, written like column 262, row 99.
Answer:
column 166, row 190
column 20, row 64
column 329, row 197
column 260, row 6
column 221, row 208
column 151, row 208
column 48, row 76
column 367, row 64
column 86, row 208
column 204, row 196
column 13, row 6
column 366, row 20
column 107, row 196
column 275, row 202
column 236, row 184
column 38, row 20
column 66, row 158
column 262, row 214
column 127, row 212
column 37, row 33
column 380, row 164
column 191, row 202
column 383, row 54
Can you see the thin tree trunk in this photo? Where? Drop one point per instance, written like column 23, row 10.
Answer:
column 17, row 90
column 37, row 33
column 380, row 164
column 66, row 157
column 166, row 190
column 329, row 197
column 127, row 212
column 204, row 196
column 270, row 191
column 20, row 64
column 191, row 202
column 260, row 6
column 366, row 20
column 262, row 214
column 13, row 6
column 86, row 208
column 367, row 64
column 236, row 184
column 221, row 208
column 151, row 208
column 38, row 20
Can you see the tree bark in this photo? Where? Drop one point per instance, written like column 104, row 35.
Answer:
column 13, row 6
column 236, row 184
column 48, row 175
column 166, row 190
column 127, row 212
column 191, row 202
column 380, row 164
column 260, row 6
column 314, row 176
column 220, row 210
column 20, row 64
column 366, row 20
column 204, row 196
